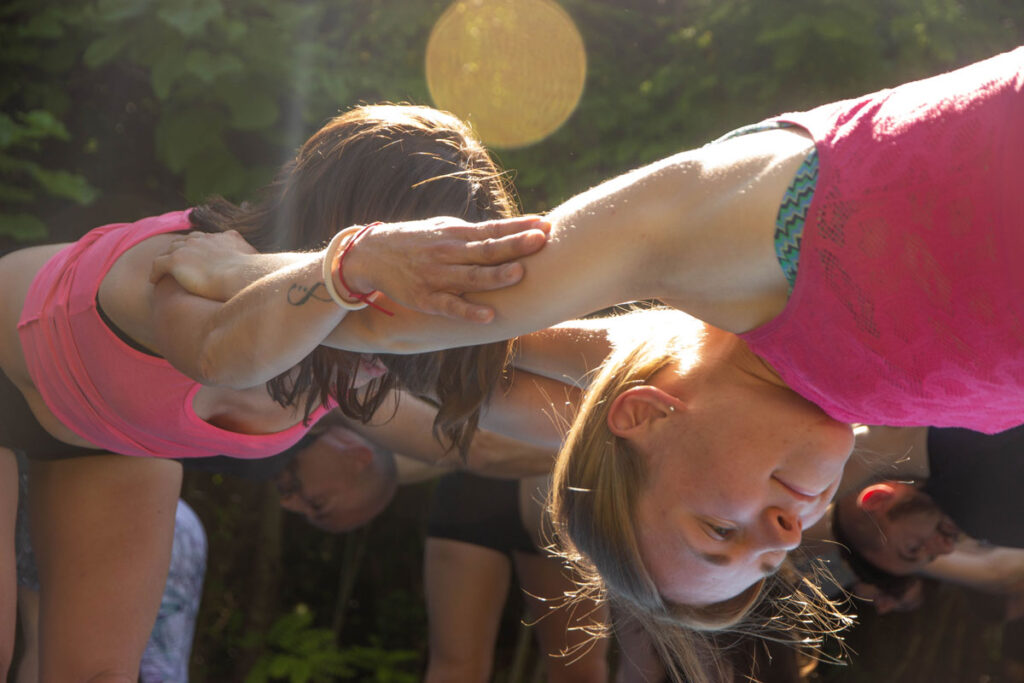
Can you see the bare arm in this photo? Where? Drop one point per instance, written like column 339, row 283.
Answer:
column 409, row 432
column 693, row 230
column 243, row 342
column 273, row 323
column 991, row 569
column 598, row 255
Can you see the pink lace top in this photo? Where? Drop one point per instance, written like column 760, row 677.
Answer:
column 908, row 307
column 107, row 392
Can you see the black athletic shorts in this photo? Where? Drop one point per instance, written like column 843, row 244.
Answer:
column 479, row 510
column 19, row 429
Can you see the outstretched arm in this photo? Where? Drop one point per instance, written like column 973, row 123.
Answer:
column 985, row 568
column 273, row 323
column 693, row 230
column 409, row 430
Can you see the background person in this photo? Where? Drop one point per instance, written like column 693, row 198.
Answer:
column 479, row 529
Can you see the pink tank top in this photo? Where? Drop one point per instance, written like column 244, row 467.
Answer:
column 908, row 307
column 105, row 391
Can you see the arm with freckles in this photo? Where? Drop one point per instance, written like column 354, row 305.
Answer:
column 606, row 247
column 693, row 230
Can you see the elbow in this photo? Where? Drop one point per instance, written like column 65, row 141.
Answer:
column 211, row 370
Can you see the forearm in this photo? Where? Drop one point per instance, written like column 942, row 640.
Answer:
column 408, row 429
column 568, row 352
column 995, row 570
column 607, row 246
column 269, row 326
column 533, row 409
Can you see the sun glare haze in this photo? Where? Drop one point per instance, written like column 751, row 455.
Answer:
column 514, row 68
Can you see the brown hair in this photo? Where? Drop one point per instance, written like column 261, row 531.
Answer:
column 596, row 483
column 378, row 163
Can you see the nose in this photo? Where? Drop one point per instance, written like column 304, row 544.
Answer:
column 781, row 528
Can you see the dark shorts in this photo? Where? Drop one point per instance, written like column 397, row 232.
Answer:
column 19, row 429
column 479, row 510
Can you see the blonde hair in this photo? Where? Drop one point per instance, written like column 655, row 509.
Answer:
column 596, row 483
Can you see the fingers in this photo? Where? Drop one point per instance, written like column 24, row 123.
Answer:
column 501, row 249
column 480, row 278
column 454, row 306
column 496, row 229
column 161, row 267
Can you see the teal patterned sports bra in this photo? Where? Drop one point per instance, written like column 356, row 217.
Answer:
column 789, row 224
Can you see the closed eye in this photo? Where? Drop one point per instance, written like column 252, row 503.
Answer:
column 719, row 532
column 910, row 554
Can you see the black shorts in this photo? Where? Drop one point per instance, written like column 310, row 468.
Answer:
column 479, row 510
column 19, row 429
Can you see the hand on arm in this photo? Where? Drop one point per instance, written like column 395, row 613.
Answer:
column 268, row 326
column 216, row 266
column 613, row 244
column 249, row 339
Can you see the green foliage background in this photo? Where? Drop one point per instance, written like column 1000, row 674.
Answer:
column 114, row 109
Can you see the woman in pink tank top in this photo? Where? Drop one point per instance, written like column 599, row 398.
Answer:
column 100, row 358
column 706, row 444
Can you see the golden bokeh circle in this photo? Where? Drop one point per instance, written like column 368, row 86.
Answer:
column 513, row 68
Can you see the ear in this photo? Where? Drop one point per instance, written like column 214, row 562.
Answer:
column 876, row 498
column 635, row 409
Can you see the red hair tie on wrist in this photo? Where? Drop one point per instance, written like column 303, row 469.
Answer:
column 337, row 271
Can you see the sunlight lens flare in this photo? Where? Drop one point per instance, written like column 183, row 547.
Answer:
column 513, row 68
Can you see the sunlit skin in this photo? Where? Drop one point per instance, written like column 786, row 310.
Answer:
column 910, row 541
column 734, row 475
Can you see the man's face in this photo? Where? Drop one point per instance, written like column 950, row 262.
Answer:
column 914, row 532
column 335, row 482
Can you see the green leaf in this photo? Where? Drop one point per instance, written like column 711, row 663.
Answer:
column 40, row 123
column 190, row 19
column 65, row 184
column 105, row 48
column 22, row 227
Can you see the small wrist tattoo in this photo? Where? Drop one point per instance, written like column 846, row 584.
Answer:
column 299, row 294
